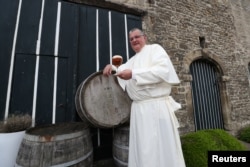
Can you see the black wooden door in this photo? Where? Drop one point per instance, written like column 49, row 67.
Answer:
column 39, row 59
column 206, row 95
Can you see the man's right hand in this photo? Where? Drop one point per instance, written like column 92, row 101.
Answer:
column 107, row 70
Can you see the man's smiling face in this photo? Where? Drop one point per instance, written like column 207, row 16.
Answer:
column 137, row 40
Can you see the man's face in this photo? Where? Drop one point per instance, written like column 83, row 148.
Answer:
column 137, row 40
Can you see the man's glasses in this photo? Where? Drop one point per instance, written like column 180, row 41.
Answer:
column 135, row 37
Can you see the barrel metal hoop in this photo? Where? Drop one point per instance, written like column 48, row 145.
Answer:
column 121, row 162
column 120, row 146
column 74, row 161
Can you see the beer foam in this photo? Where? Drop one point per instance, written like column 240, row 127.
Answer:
column 117, row 56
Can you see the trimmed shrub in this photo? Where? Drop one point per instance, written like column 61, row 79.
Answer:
column 196, row 145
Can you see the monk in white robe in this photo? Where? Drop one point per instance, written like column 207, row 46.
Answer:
column 147, row 77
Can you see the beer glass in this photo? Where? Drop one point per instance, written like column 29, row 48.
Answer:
column 117, row 60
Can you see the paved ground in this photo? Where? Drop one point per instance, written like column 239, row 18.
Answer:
column 246, row 144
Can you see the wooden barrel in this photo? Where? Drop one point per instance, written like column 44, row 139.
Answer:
column 121, row 146
column 65, row 144
column 101, row 101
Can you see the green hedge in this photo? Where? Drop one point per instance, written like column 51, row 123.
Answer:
column 196, row 145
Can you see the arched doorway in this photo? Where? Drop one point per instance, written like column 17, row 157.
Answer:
column 206, row 95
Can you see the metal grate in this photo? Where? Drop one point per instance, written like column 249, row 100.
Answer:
column 206, row 96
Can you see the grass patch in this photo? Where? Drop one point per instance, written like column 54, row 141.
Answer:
column 244, row 134
column 196, row 145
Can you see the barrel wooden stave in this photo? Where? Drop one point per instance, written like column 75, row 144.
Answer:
column 78, row 105
column 73, row 149
column 121, row 146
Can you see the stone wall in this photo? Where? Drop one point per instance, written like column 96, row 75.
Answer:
column 241, row 13
column 238, row 88
column 225, row 25
column 177, row 25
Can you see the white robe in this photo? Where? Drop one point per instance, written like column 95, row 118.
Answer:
column 154, row 137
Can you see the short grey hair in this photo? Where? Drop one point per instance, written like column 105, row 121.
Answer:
column 135, row 29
